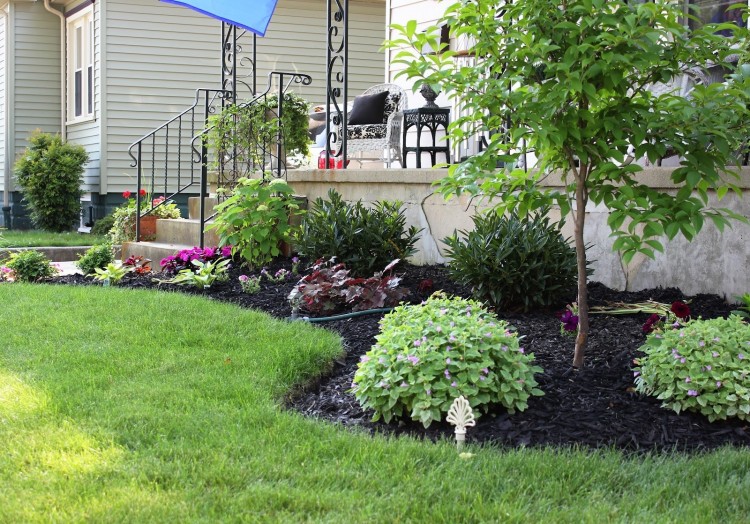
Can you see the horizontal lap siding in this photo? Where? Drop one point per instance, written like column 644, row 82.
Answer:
column 159, row 54
column 3, row 98
column 36, row 81
column 88, row 134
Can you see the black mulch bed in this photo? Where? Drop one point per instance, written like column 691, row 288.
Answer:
column 594, row 407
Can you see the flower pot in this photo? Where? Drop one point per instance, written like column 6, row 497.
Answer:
column 148, row 227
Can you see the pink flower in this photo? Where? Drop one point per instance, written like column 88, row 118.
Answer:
column 688, row 380
column 412, row 359
column 447, row 361
column 447, row 373
column 453, row 384
column 364, row 358
column 417, row 343
column 692, row 393
column 126, row 194
column 226, row 251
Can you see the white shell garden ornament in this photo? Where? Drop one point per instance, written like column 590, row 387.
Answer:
column 461, row 416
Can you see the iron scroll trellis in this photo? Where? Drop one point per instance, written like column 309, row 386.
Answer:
column 337, row 60
column 238, row 65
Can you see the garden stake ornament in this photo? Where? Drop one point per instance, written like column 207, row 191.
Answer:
column 461, row 416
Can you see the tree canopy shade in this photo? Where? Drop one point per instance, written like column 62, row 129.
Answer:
column 253, row 15
column 573, row 82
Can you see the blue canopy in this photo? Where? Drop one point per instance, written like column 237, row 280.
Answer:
column 253, row 15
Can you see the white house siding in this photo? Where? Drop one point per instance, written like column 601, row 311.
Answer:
column 3, row 99
column 88, row 133
column 158, row 54
column 36, row 80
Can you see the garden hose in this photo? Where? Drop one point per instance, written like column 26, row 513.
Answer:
column 343, row 316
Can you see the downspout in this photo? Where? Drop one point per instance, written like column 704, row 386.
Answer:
column 6, row 124
column 63, row 69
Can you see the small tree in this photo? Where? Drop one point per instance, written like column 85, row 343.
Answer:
column 50, row 175
column 573, row 81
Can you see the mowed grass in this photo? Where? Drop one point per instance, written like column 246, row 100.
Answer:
column 127, row 406
column 33, row 238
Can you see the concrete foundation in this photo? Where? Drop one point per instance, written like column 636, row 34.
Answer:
column 714, row 262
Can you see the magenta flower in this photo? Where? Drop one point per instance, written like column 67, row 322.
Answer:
column 569, row 320
column 244, row 278
column 226, row 251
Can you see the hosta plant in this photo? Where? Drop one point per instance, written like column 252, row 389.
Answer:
column 426, row 356
column 330, row 288
column 203, row 275
column 111, row 274
column 513, row 262
column 703, row 367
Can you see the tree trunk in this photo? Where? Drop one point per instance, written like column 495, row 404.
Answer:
column 583, row 299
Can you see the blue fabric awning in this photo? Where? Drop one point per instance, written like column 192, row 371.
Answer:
column 253, row 15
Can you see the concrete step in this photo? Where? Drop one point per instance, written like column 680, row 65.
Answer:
column 183, row 231
column 154, row 251
column 194, row 210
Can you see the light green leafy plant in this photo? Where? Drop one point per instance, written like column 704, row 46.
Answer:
column 112, row 274
column 702, row 367
column 426, row 356
column 123, row 223
column 95, row 257
column 256, row 219
column 204, row 274
column 573, row 82
column 30, row 266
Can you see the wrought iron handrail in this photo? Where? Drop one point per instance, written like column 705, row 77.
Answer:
column 228, row 167
column 174, row 177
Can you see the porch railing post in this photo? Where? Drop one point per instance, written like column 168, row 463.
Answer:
column 139, row 160
column 204, row 175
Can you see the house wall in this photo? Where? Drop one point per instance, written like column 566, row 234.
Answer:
column 3, row 98
column 157, row 55
column 713, row 262
column 88, row 133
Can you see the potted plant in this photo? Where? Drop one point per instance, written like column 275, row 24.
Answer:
column 123, row 228
column 246, row 133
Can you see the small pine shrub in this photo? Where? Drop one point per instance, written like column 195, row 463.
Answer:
column 513, row 263
column 50, row 173
column 103, row 225
column 702, row 367
column 365, row 239
column 426, row 356
column 95, row 257
column 30, row 266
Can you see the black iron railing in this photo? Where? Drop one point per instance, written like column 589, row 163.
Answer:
column 164, row 157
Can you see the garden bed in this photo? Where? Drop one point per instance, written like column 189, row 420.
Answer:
column 593, row 407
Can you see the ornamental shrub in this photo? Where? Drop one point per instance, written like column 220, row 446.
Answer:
column 426, row 356
column 103, row 225
column 513, row 263
column 96, row 257
column 30, row 266
column 702, row 367
column 50, row 175
column 257, row 219
column 365, row 239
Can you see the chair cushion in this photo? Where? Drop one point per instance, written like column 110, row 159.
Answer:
column 368, row 109
column 366, row 131
column 391, row 105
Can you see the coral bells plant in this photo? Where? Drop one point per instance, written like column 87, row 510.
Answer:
column 173, row 264
column 330, row 288
column 428, row 355
column 703, row 367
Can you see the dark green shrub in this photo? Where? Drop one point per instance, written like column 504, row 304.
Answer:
column 365, row 239
column 96, row 257
column 30, row 266
column 103, row 225
column 50, row 174
column 513, row 263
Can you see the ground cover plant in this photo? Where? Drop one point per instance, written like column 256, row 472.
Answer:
column 162, row 424
column 572, row 83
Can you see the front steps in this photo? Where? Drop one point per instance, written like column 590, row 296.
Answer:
column 173, row 235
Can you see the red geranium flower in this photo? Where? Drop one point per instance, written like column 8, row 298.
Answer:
column 680, row 309
column 126, row 194
column 142, row 192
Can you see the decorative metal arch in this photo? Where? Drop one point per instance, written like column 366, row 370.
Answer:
column 337, row 75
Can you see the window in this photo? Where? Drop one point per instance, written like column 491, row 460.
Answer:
column 80, row 74
column 715, row 11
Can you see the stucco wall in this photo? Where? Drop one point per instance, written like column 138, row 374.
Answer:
column 714, row 262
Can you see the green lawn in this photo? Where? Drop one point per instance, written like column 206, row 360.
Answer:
column 17, row 238
column 126, row 406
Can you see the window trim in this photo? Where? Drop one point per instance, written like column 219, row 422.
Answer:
column 82, row 20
